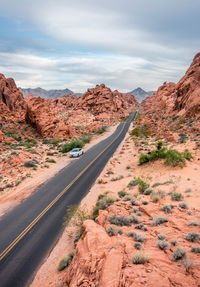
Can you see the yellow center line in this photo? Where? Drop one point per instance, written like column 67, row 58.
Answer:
column 33, row 223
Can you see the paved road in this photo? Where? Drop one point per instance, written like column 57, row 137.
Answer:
column 31, row 230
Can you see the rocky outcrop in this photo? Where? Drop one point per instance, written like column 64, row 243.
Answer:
column 72, row 115
column 175, row 107
column 11, row 97
column 188, row 90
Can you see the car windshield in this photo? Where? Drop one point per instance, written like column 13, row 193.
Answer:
column 75, row 149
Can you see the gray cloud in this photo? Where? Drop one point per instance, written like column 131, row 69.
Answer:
column 137, row 42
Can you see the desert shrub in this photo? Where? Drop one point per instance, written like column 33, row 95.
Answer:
column 30, row 163
column 128, row 167
column 148, row 191
column 142, row 227
column 122, row 193
column 139, row 237
column 117, row 178
column 132, row 183
column 161, row 236
column 51, row 160
column 65, row 262
column 134, row 203
column 187, row 263
column 140, row 131
column 183, row 205
column 73, row 144
column 53, row 141
column 155, row 196
column 195, row 249
column 13, row 134
column 166, row 208
column 178, row 254
column 30, row 143
column 176, row 196
column 85, row 138
column 187, row 154
column 192, row 237
column 101, row 130
column 127, row 197
column 173, row 242
column 139, row 258
column 74, row 218
column 138, row 245
column 193, row 223
column 143, row 158
column 102, row 203
column 162, row 183
column 162, row 244
column 124, row 221
column 159, row 220
column 111, row 231
column 109, row 172
column 145, row 202
column 142, row 185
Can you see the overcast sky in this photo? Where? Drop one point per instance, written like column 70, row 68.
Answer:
column 78, row 43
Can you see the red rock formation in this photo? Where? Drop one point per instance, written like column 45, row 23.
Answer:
column 181, row 100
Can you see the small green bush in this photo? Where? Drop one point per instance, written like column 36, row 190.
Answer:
column 178, row 254
column 30, row 163
column 102, row 203
column 192, row 237
column 139, row 258
column 50, row 160
column 73, row 144
column 140, row 131
column 148, row 191
column 65, row 262
column 122, row 193
column 12, row 134
column 175, row 196
column 85, row 138
column 101, row 130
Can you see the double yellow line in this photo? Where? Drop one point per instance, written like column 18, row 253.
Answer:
column 33, row 223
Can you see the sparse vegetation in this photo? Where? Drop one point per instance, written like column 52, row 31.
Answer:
column 70, row 145
column 159, row 220
column 101, row 130
column 167, row 208
column 102, row 203
column 127, row 197
column 172, row 157
column 175, row 196
column 141, row 226
column 192, row 237
column 50, row 160
column 138, row 245
column 117, row 177
column 161, row 236
column 193, row 223
column 178, row 254
column 162, row 244
column 65, row 262
column 195, row 249
column 124, row 221
column 183, row 205
column 139, row 258
column 122, row 193
column 138, row 237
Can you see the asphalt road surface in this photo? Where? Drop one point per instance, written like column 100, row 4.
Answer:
column 31, row 229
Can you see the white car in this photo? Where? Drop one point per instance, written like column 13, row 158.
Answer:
column 76, row 152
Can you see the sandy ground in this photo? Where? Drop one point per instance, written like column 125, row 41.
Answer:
column 125, row 162
column 11, row 197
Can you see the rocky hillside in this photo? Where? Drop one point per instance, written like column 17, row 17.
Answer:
column 63, row 117
column 175, row 108
column 48, row 94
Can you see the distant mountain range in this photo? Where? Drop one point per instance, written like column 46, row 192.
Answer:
column 48, row 94
column 140, row 94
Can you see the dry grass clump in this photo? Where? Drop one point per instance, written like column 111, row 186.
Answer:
column 139, row 258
